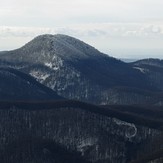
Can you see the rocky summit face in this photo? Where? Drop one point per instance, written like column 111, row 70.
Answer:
column 76, row 70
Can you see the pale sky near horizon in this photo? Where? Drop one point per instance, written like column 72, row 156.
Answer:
column 123, row 29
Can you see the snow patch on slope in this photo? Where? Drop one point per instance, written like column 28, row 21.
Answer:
column 39, row 76
column 50, row 65
column 131, row 129
column 140, row 69
column 85, row 144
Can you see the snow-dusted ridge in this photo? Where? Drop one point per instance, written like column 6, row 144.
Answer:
column 77, row 70
column 64, row 46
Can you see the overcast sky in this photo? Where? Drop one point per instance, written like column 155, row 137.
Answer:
column 121, row 28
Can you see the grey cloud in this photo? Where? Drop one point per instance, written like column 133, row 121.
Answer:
column 103, row 35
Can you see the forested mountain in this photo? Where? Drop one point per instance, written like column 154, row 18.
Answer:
column 74, row 131
column 37, row 124
column 76, row 70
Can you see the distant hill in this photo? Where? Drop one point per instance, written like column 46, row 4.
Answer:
column 153, row 69
column 128, row 60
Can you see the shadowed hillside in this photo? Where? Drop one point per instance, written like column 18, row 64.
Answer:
column 97, row 134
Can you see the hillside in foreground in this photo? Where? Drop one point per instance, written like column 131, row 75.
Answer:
column 79, row 131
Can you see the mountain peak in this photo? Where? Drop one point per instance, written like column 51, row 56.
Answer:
column 46, row 48
column 77, row 70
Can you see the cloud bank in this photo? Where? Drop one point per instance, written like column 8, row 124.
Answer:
column 105, row 24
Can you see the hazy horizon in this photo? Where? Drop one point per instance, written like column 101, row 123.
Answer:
column 123, row 29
